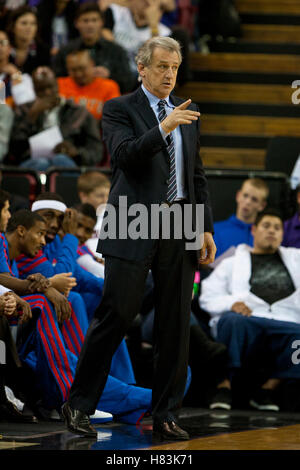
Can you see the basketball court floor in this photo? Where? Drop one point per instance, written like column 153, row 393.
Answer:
column 234, row 430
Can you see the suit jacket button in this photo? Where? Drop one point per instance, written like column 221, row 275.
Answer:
column 167, row 181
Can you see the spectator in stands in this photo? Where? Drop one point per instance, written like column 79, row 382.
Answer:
column 9, row 73
column 292, row 226
column 18, row 85
column 134, row 24
column 251, row 198
column 28, row 51
column 253, row 300
column 56, row 22
column 93, row 188
column 80, row 142
column 111, row 59
column 82, row 87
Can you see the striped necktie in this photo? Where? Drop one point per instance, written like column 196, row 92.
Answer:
column 172, row 185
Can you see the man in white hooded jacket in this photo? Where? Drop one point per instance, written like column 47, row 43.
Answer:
column 253, row 299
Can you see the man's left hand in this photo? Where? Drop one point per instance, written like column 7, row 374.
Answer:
column 208, row 251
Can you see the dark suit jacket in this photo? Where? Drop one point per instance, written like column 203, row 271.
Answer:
column 140, row 165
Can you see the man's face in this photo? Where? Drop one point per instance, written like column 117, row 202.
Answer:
column 96, row 197
column 53, row 220
column 85, row 228
column 138, row 9
column 5, row 216
column 81, row 68
column 268, row 234
column 46, row 87
column 250, row 200
column 89, row 26
column 160, row 76
column 34, row 239
column 4, row 46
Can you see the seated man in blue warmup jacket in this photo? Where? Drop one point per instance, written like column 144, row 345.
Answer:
column 60, row 255
column 251, row 198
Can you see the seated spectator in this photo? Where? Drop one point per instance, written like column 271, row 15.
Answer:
column 9, row 73
column 253, row 300
column 76, row 128
column 93, row 188
column 87, row 218
column 56, row 22
column 82, row 87
column 292, row 226
column 111, row 59
column 251, row 198
column 28, row 51
column 134, row 24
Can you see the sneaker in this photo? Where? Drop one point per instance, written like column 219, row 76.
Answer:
column 101, row 417
column 263, row 400
column 222, row 399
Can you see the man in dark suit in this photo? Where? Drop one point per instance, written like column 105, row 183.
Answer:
column 154, row 148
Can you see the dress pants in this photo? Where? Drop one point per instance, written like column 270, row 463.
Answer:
column 173, row 271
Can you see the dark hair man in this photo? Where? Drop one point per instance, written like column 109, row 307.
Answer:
column 253, row 299
column 110, row 59
column 81, row 143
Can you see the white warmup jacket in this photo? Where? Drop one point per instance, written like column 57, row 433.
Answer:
column 229, row 283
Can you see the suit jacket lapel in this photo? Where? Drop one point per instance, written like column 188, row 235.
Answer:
column 144, row 109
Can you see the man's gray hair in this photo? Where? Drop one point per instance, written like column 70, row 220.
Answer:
column 144, row 55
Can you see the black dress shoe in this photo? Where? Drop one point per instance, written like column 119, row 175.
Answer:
column 169, row 430
column 77, row 421
column 9, row 412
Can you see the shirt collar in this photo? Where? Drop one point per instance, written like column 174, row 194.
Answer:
column 239, row 222
column 154, row 100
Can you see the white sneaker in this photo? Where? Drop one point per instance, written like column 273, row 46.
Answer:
column 101, row 417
